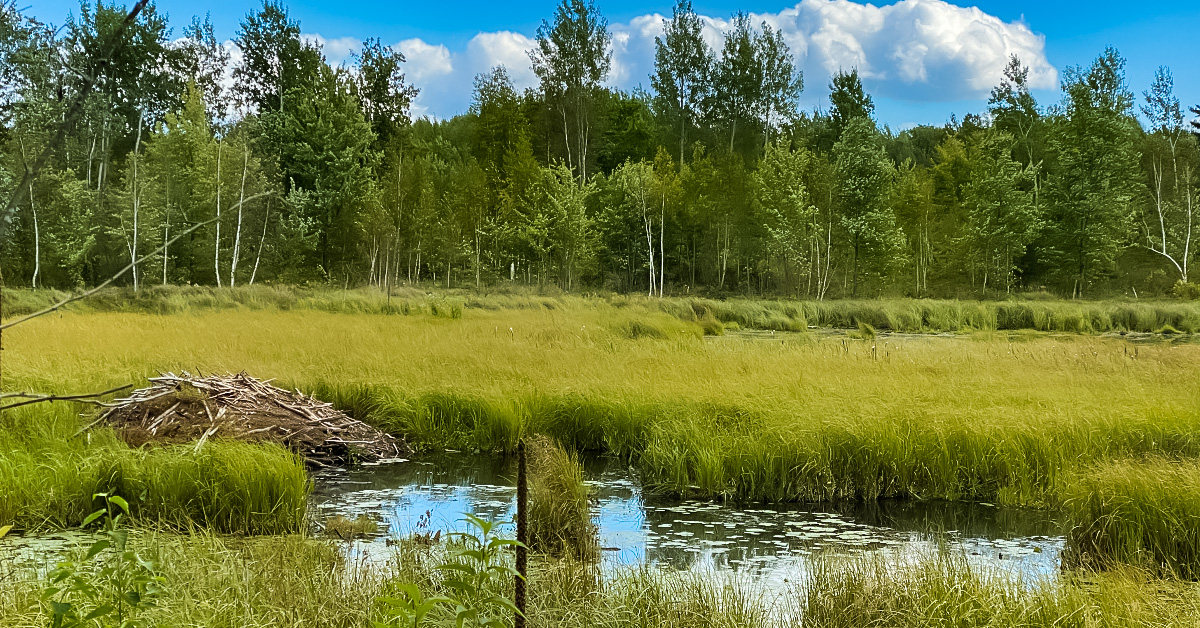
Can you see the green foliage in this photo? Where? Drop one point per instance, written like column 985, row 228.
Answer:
column 1002, row 217
column 471, row 579
column 560, row 521
column 1094, row 187
column 111, row 584
column 345, row 189
column 864, row 176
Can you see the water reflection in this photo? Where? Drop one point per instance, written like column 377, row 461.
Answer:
column 771, row 544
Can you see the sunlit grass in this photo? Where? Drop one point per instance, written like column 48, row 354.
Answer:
column 1137, row 512
column 49, row 474
column 796, row 417
column 944, row 589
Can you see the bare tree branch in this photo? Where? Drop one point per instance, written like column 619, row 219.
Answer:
column 68, row 120
column 32, row 398
column 120, row 273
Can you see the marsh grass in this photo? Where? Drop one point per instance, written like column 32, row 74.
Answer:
column 48, row 477
column 943, row 589
column 293, row 581
column 560, row 521
column 344, row 528
column 1136, row 512
column 221, row 581
column 708, row 316
column 801, row 418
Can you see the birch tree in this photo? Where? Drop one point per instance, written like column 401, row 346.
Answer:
column 784, row 198
column 571, row 60
column 1170, row 162
column 682, row 78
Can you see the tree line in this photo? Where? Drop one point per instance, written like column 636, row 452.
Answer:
column 713, row 181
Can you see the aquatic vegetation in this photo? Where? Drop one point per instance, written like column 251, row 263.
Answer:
column 1136, row 512
column 48, row 476
column 341, row 527
column 943, row 589
column 559, row 520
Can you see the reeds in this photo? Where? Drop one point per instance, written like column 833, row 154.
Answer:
column 944, row 589
column 559, row 519
column 801, row 418
column 710, row 316
column 1144, row 513
column 47, row 480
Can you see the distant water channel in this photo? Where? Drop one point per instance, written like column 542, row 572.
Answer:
column 770, row 545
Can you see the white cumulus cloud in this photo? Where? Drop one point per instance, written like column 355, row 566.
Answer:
column 912, row 50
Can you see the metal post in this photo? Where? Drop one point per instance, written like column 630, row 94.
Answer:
column 522, row 535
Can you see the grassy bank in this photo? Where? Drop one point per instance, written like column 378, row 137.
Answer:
column 294, row 581
column 988, row 417
column 708, row 315
column 1136, row 512
column 944, row 590
column 49, row 473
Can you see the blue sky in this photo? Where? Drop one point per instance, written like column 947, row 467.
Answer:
column 927, row 58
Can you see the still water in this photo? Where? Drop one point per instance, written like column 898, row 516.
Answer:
column 768, row 544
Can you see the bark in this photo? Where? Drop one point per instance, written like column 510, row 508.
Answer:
column 261, row 242
column 37, row 238
column 217, row 238
column 237, row 234
column 137, row 198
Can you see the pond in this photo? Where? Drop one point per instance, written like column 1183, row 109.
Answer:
column 768, row 544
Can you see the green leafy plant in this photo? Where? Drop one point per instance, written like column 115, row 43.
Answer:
column 472, row 577
column 103, row 588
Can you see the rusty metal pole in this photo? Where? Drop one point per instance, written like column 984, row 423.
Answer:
column 522, row 535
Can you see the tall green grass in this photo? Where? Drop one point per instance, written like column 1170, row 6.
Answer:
column 710, row 316
column 798, row 418
column 559, row 519
column 943, row 589
column 1137, row 512
column 708, row 449
column 47, row 480
column 292, row 581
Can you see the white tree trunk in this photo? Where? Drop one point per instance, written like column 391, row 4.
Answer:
column 261, row 242
column 217, row 237
column 237, row 237
column 137, row 204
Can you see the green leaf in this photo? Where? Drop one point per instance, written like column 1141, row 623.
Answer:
column 410, row 589
column 60, row 608
column 92, row 517
column 96, row 548
column 120, row 501
column 503, row 602
column 99, row 611
column 4, row 530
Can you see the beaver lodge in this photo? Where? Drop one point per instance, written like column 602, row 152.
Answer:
column 185, row 408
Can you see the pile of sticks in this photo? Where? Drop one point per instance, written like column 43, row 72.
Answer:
column 186, row 408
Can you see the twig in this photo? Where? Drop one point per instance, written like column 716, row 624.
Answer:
column 120, row 273
column 68, row 120
column 32, row 398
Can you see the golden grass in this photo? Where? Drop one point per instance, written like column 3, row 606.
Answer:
column 796, row 417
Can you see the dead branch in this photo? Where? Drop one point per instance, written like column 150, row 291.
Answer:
column 68, row 120
column 120, row 273
column 88, row 398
